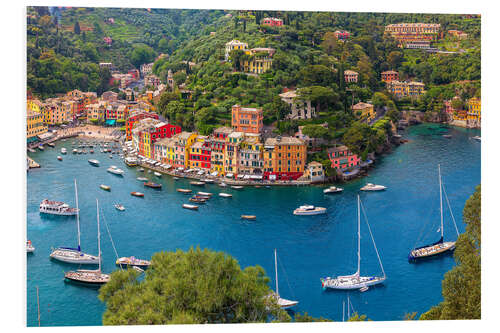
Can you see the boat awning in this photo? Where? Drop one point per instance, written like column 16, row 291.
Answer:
column 45, row 136
column 229, row 175
column 111, row 122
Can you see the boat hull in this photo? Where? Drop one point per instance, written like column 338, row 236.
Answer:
column 308, row 213
column 431, row 251
column 83, row 259
column 364, row 282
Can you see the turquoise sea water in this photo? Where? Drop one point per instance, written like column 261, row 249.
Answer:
column 308, row 247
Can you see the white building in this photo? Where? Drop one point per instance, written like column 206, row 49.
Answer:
column 299, row 109
column 234, row 45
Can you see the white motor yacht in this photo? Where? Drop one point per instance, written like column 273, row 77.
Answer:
column 333, row 189
column 373, row 187
column 114, row 170
column 309, row 210
column 63, row 150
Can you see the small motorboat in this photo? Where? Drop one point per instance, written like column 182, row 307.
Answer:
column 140, row 270
column 197, row 183
column 447, row 136
column 206, row 194
column 50, row 144
column 59, row 158
column 91, row 151
column 257, row 186
column 176, row 178
column 363, row 289
column 29, row 247
column 31, row 150
column 222, row 184
column 237, row 187
column 477, row 138
column 105, row 187
column 249, row 217
column 157, row 174
column 183, row 190
column 142, row 179
column 132, row 261
column 137, row 194
column 198, row 199
column 41, row 147
column 373, row 187
column 309, row 210
column 141, row 169
column 94, row 162
column 333, row 189
column 208, row 181
column 63, row 150
column 120, row 207
column 188, row 206
column 225, row 195
column 153, row 185
column 110, row 156
column 116, row 171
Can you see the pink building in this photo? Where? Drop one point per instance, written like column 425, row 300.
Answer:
column 342, row 158
column 350, row 76
column 342, row 34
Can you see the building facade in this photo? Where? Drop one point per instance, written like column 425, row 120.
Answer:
column 350, row 76
column 474, row 112
column 234, row 45
column 342, row 34
column 409, row 33
column 284, row 158
column 406, row 89
column 272, row 22
column 219, row 139
column 34, row 125
column 299, row 109
column 134, row 117
column 389, row 76
column 247, row 120
column 364, row 111
column 342, row 158
column 314, row 172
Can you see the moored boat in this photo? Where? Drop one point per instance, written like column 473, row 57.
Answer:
column 50, row 144
column 195, row 183
column 59, row 158
column 175, row 178
column 94, row 162
column 373, row 187
column 222, row 184
column 309, row 210
column 477, row 138
column 183, row 190
column 119, row 207
column 29, row 247
column 208, row 194
column 237, row 187
column 333, row 189
column 142, row 179
column 225, row 195
column 152, row 185
column 41, row 147
column 208, row 181
column 447, row 136
column 105, row 187
column 115, row 170
column 198, row 199
column 137, row 194
column 188, row 206
column 132, row 261
column 57, row 208
column 63, row 150
column 157, row 174
column 141, row 169
column 131, row 161
column 248, row 217
column 283, row 303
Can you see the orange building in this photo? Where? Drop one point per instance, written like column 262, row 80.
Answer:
column 389, row 76
column 284, row 158
column 247, row 120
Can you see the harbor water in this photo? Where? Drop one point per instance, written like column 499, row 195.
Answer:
column 309, row 247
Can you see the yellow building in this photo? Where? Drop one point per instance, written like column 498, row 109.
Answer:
column 406, row 89
column 182, row 148
column 34, row 125
column 234, row 45
column 231, row 154
column 250, row 155
column 260, row 60
column 474, row 112
column 34, row 105
column 364, row 111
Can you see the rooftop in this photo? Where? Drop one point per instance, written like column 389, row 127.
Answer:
column 349, row 72
column 284, row 140
column 361, row 106
column 337, row 149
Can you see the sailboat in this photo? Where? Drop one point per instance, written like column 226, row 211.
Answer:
column 72, row 255
column 440, row 246
column 283, row 303
column 87, row 276
column 355, row 281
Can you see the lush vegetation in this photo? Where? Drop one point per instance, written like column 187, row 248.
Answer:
column 462, row 285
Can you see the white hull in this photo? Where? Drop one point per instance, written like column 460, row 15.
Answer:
column 316, row 211
column 118, row 172
column 52, row 212
column 74, row 257
column 364, row 281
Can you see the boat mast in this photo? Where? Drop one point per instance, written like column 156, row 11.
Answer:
column 38, row 305
column 343, row 310
column 98, row 236
column 441, row 200
column 359, row 242
column 276, row 271
column 77, row 216
column 348, row 308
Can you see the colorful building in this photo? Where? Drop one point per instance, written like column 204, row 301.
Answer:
column 96, row 112
column 165, row 150
column 219, row 138
column 409, row 33
column 364, row 111
column 272, row 22
column 389, row 76
column 406, row 89
column 350, row 76
column 342, row 158
column 342, row 34
column 260, row 60
column 148, row 131
column 134, row 117
column 314, row 172
column 34, row 125
column 200, row 153
column 234, row 45
column 250, row 155
column 247, row 120
column 182, row 146
column 233, row 141
column 152, row 80
column 284, row 158
column 299, row 109
column 474, row 112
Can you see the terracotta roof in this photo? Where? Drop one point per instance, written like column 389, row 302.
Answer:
column 284, row 140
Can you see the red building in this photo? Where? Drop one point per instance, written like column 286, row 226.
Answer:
column 272, row 22
column 342, row 34
column 135, row 73
column 350, row 76
column 389, row 76
column 133, row 118
column 342, row 158
column 163, row 130
column 108, row 40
